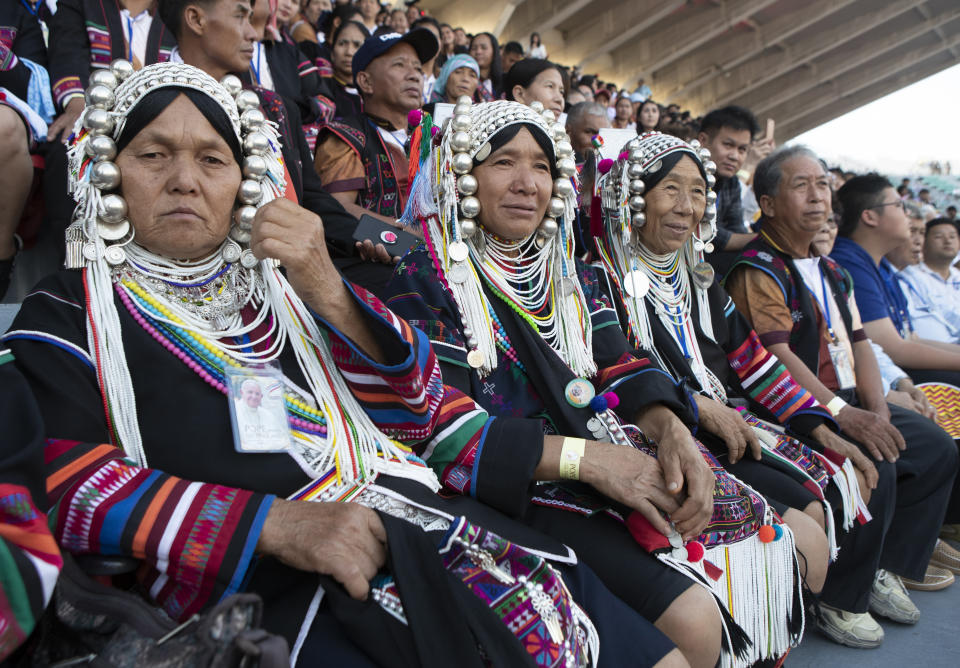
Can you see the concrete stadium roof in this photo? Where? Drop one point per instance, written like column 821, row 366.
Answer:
column 800, row 62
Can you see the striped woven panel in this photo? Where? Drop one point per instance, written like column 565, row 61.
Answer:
column 946, row 399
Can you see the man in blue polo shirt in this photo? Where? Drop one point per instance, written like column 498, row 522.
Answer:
column 873, row 223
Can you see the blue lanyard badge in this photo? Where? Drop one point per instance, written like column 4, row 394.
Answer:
column 255, row 62
column 129, row 39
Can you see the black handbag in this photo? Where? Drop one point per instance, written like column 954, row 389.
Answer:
column 91, row 624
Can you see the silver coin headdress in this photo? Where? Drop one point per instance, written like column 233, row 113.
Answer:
column 100, row 229
column 443, row 199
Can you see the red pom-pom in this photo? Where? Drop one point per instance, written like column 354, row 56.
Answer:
column 612, row 399
column 605, row 165
column 695, row 551
column 414, row 117
column 623, row 155
column 767, row 534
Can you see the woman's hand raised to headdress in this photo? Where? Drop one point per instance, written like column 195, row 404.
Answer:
column 285, row 231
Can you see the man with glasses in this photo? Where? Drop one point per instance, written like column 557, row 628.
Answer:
column 873, row 223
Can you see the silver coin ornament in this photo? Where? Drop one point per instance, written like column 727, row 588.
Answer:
column 636, row 284
column 90, row 252
column 105, row 175
column 467, row 184
column 114, row 209
column 122, row 69
column 567, row 286
column 459, row 273
column 250, row 192
column 697, row 245
column 475, row 359
column 708, row 247
column 115, row 255
column 231, row 252
column 112, row 231
column 254, row 166
column 247, row 259
column 703, row 275
column 595, row 425
column 459, row 251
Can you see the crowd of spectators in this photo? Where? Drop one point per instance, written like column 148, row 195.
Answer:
column 845, row 286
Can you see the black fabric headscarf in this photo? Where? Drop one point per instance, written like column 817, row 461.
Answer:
column 667, row 163
column 505, row 136
column 154, row 103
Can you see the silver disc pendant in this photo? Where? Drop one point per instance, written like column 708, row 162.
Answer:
column 475, row 359
column 459, row 251
column 231, row 252
column 567, row 286
column 697, row 245
column 113, row 231
column 115, row 255
column 459, row 273
column 708, row 247
column 595, row 426
column 636, row 283
column 703, row 275
column 90, row 252
column 248, row 260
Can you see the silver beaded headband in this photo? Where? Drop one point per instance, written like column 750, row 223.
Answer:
column 100, row 229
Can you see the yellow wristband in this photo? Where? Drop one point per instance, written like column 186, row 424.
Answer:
column 570, row 455
column 836, row 405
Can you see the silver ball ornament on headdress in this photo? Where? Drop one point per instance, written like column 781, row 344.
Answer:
column 636, row 156
column 710, row 167
column 251, row 120
column 637, row 186
column 254, row 166
column 256, row 143
column 232, row 84
column 98, row 121
column 567, row 167
column 638, row 219
column 114, row 209
column 704, row 154
column 461, row 163
column 537, row 106
column 101, row 147
column 467, row 184
column 468, row 227
column 249, row 192
column 556, row 207
column 460, row 123
column 244, row 216
column 104, row 78
column 460, row 142
column 711, row 180
column 558, row 131
column 99, row 97
column 240, row 235
column 632, row 144
column 247, row 99
column 105, row 175
column 637, row 203
column 562, row 187
column 549, row 116
column 470, row 206
column 635, row 170
column 711, row 197
column 694, row 143
column 122, row 69
column 465, row 100
column 548, row 227
column 564, row 149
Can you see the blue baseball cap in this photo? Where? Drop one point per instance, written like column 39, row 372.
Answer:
column 423, row 41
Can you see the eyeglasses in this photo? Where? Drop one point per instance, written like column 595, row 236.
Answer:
column 899, row 202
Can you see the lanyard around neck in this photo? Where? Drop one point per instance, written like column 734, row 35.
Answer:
column 255, row 64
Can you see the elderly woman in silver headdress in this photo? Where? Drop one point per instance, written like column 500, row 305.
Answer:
column 179, row 184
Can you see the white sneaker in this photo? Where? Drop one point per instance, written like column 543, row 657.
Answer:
column 889, row 599
column 860, row 631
